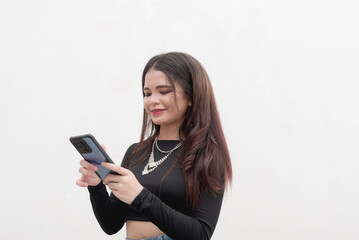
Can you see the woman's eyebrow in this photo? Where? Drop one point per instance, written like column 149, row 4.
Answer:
column 157, row 87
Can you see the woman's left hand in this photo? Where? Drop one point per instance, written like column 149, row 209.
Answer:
column 124, row 186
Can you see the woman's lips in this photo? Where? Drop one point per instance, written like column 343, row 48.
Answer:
column 156, row 112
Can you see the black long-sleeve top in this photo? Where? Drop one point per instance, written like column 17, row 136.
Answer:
column 164, row 204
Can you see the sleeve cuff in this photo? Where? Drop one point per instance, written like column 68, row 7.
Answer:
column 97, row 190
column 143, row 200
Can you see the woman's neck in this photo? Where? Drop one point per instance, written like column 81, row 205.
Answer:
column 169, row 134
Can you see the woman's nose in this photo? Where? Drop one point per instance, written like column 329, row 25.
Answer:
column 154, row 100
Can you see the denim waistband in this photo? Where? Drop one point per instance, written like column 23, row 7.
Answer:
column 159, row 237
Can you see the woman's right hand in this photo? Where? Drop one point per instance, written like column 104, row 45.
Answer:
column 89, row 177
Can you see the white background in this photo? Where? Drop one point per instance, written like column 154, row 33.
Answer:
column 285, row 74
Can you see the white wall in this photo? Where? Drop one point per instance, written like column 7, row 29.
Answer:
column 285, row 74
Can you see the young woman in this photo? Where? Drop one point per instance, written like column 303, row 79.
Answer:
column 171, row 183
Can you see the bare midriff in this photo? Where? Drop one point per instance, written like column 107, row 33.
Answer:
column 140, row 229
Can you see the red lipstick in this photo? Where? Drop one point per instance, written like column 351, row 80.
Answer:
column 156, row 112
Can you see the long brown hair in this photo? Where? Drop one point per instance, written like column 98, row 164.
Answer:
column 204, row 154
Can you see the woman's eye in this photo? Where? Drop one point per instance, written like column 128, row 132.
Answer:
column 147, row 94
column 165, row 92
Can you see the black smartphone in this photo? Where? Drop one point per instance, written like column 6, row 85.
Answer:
column 92, row 152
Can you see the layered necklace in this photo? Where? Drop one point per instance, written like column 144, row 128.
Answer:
column 152, row 164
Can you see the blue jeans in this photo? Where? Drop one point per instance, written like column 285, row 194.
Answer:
column 159, row 237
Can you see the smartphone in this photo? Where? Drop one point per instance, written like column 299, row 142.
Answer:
column 92, row 152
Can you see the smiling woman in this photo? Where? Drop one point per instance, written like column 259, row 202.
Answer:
column 171, row 184
column 164, row 104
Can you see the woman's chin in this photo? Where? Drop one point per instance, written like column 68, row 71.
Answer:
column 156, row 122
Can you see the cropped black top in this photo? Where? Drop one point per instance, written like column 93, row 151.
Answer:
column 162, row 203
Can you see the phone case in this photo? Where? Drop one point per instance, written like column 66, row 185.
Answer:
column 92, row 152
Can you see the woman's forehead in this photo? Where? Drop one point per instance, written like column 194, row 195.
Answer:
column 156, row 78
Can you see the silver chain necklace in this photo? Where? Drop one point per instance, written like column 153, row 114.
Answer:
column 152, row 164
